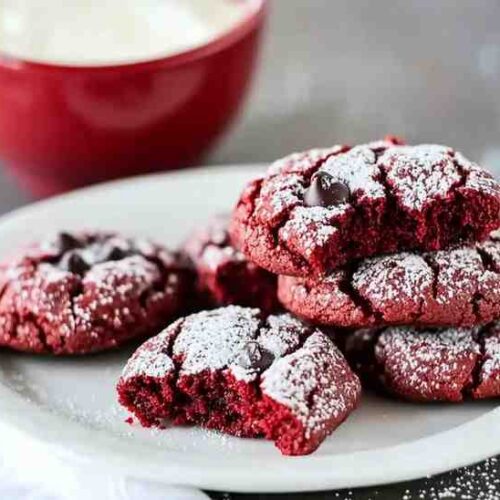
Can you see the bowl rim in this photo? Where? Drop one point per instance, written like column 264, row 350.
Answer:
column 227, row 38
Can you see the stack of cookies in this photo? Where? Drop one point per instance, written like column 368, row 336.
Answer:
column 394, row 249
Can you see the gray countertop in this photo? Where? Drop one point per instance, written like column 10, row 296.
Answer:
column 350, row 71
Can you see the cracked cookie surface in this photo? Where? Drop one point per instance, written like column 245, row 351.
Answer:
column 224, row 275
column 312, row 212
column 239, row 371
column 77, row 293
column 426, row 365
column 455, row 287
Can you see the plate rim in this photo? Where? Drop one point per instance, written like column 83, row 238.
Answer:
column 444, row 450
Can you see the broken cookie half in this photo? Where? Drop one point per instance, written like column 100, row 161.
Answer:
column 241, row 372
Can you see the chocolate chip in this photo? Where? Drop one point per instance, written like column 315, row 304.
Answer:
column 254, row 357
column 324, row 191
column 112, row 252
column 74, row 263
column 117, row 254
column 65, row 241
column 109, row 251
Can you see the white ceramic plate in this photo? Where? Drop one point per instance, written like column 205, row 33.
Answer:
column 70, row 405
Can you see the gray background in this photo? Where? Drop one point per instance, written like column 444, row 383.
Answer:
column 350, row 71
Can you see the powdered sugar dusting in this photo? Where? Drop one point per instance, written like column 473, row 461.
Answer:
column 358, row 170
column 394, row 279
column 278, row 196
column 310, row 229
column 315, row 382
column 283, row 334
column 461, row 273
column 109, row 286
column 430, row 342
column 153, row 359
column 137, row 267
column 47, row 293
column 418, row 174
column 210, row 340
column 50, row 273
column 213, row 340
column 476, row 482
column 425, row 361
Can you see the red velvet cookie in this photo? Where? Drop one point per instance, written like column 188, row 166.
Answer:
column 315, row 211
column 224, row 275
column 239, row 371
column 86, row 292
column 428, row 365
column 456, row 287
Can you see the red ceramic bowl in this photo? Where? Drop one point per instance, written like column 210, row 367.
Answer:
column 66, row 126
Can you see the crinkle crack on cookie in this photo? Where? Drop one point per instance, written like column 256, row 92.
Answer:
column 241, row 372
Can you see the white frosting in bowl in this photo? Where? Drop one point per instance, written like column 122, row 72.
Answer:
column 103, row 32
